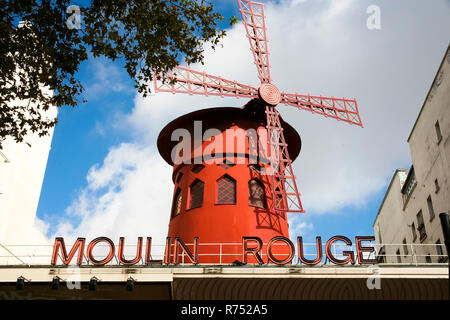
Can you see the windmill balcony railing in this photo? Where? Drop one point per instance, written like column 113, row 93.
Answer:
column 228, row 254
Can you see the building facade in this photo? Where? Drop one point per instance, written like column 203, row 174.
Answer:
column 409, row 213
column 22, row 169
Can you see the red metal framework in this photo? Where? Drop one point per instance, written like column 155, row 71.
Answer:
column 285, row 195
column 284, row 188
column 340, row 109
column 185, row 80
column 256, row 193
column 255, row 26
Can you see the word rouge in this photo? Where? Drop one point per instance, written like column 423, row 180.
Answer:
column 250, row 246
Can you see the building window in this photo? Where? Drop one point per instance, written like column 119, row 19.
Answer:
column 197, row 168
column 196, row 194
column 436, row 186
column 405, row 247
column 226, row 190
column 430, row 208
column 256, row 194
column 410, row 184
column 437, row 127
column 421, row 226
column 399, row 259
column 381, row 256
column 439, row 251
column 178, row 199
column 413, row 230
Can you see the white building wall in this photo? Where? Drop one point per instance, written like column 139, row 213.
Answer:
column 22, row 169
column 431, row 159
column 391, row 216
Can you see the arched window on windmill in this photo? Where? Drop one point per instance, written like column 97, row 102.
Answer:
column 178, row 178
column 226, row 190
column 177, row 202
column 196, row 192
column 256, row 194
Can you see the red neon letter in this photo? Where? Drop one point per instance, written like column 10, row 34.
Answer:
column 192, row 256
column 360, row 249
column 351, row 256
column 91, row 246
column 148, row 253
column 301, row 255
column 121, row 256
column 59, row 243
column 167, row 251
column 286, row 241
column 254, row 251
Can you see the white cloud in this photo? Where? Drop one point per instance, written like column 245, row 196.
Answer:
column 106, row 77
column 296, row 2
column 317, row 47
column 129, row 195
column 298, row 227
column 41, row 225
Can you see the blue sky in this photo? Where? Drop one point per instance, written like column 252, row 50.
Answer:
column 104, row 174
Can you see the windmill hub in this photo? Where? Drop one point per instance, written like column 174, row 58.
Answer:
column 269, row 94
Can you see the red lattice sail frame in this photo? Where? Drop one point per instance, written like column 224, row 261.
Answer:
column 285, row 195
column 185, row 80
column 255, row 26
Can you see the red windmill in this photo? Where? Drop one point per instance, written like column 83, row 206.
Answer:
column 283, row 187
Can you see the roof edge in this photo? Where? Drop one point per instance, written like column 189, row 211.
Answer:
column 447, row 52
column 387, row 191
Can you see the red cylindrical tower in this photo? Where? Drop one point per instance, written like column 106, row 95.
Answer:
column 222, row 192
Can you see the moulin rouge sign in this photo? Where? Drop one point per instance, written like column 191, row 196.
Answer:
column 251, row 246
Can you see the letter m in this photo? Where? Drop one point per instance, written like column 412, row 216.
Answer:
column 59, row 244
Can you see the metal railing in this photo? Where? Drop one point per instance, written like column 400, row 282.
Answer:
column 227, row 253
